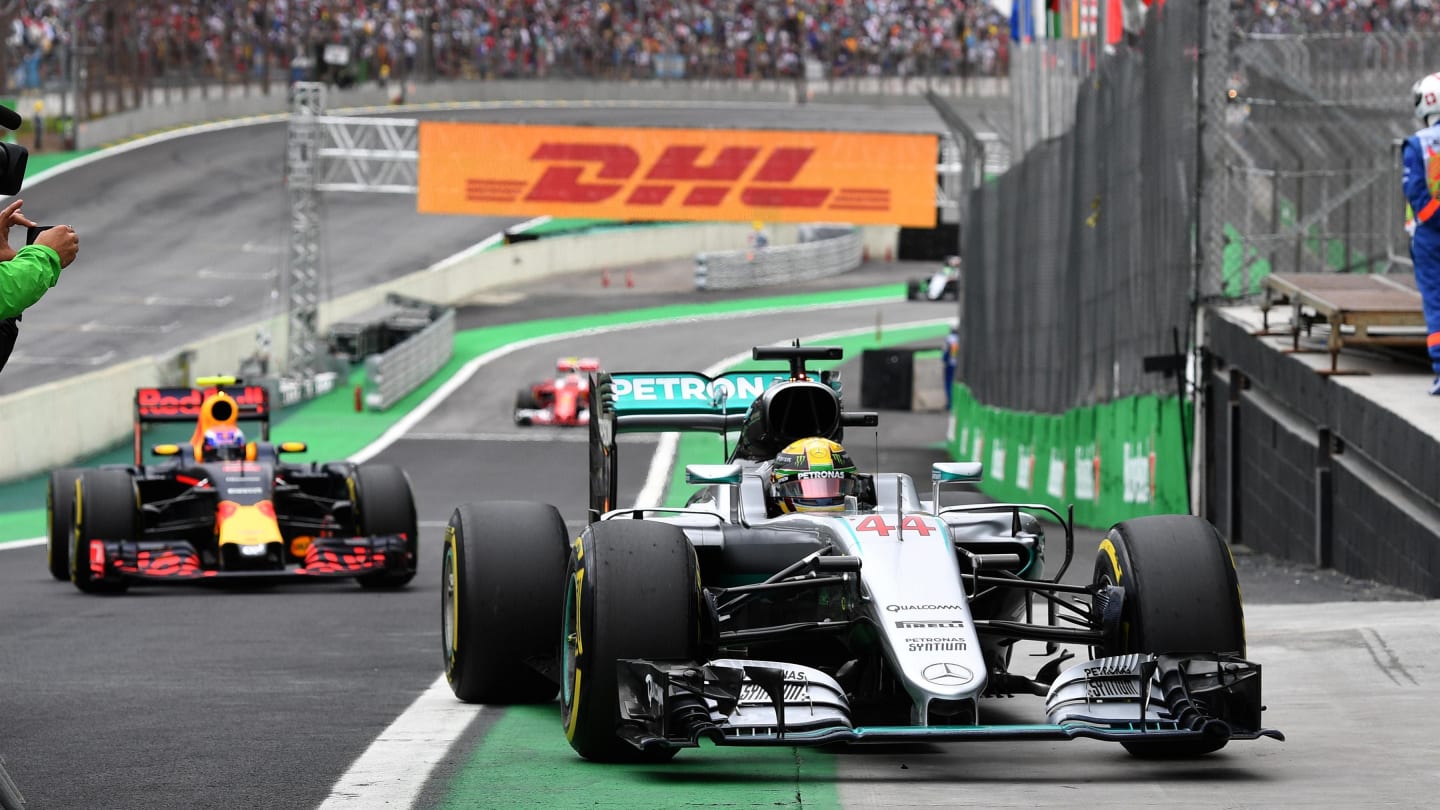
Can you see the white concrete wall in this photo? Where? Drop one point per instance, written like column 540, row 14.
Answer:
column 57, row 423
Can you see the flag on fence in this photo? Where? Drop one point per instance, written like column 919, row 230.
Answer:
column 1022, row 21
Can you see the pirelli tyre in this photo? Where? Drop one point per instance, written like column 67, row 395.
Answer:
column 1180, row 595
column 502, row 574
column 525, row 400
column 59, row 517
column 632, row 591
column 106, row 508
column 386, row 505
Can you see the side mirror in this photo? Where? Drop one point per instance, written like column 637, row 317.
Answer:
column 166, row 450
column 293, row 447
column 712, row 473
column 957, row 472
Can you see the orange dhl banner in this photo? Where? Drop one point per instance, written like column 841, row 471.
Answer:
column 677, row 174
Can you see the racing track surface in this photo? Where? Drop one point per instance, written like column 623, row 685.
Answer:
column 186, row 698
column 186, row 237
column 183, row 698
column 190, row 699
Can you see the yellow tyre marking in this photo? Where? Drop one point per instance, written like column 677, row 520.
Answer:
column 1109, row 549
column 75, row 544
column 574, row 707
column 579, row 647
column 579, row 641
column 454, row 590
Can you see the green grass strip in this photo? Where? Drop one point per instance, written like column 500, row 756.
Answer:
column 334, row 430
column 524, row 761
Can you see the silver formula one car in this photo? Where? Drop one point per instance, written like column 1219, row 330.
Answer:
column 884, row 618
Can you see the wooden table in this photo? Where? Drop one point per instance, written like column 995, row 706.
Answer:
column 1344, row 300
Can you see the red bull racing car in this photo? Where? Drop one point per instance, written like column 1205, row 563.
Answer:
column 221, row 508
column 563, row 400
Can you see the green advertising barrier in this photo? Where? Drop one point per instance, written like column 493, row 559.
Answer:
column 1114, row 461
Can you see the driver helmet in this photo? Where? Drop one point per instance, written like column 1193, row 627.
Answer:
column 813, row 475
column 1426, row 93
column 224, row 443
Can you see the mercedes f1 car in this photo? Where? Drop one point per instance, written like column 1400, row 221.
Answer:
column 564, row 400
column 944, row 283
column 220, row 509
column 888, row 618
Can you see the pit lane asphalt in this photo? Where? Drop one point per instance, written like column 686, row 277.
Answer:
column 185, row 237
column 180, row 698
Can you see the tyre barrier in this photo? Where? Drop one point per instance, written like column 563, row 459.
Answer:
column 829, row 250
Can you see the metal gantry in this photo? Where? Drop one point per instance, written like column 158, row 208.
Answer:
column 332, row 153
column 303, row 288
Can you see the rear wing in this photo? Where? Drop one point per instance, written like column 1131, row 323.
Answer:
column 688, row 401
column 179, row 404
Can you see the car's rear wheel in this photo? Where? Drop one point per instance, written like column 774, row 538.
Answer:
column 59, row 521
column 387, row 506
column 106, row 508
column 633, row 591
column 501, row 580
column 1181, row 595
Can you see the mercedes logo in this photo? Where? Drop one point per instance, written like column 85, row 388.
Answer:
column 948, row 674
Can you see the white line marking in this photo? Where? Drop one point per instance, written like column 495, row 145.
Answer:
column 238, row 275
column 487, row 243
column 166, row 301
column 50, row 360
column 385, row 775
column 450, row 386
column 26, row 543
column 129, row 329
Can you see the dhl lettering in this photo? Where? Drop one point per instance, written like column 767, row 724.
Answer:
column 682, row 163
column 677, row 163
column 676, row 174
column 562, row 183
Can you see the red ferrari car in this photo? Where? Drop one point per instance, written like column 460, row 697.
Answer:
column 563, row 400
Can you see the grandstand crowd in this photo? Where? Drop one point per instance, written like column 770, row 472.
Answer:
column 379, row 39
column 1336, row 16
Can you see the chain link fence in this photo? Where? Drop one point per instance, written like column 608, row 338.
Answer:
column 1308, row 171
column 1079, row 259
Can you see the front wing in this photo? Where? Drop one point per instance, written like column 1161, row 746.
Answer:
column 766, row 703
column 546, row 416
column 178, row 563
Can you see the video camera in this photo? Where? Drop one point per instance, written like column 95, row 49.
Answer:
column 13, row 156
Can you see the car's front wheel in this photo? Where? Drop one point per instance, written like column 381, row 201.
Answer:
column 387, row 506
column 502, row 573
column 1181, row 594
column 59, row 521
column 105, row 509
column 633, row 591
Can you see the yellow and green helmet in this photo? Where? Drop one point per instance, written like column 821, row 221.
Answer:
column 813, row 475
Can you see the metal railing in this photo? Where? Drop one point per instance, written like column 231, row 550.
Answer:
column 393, row 374
column 825, row 250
